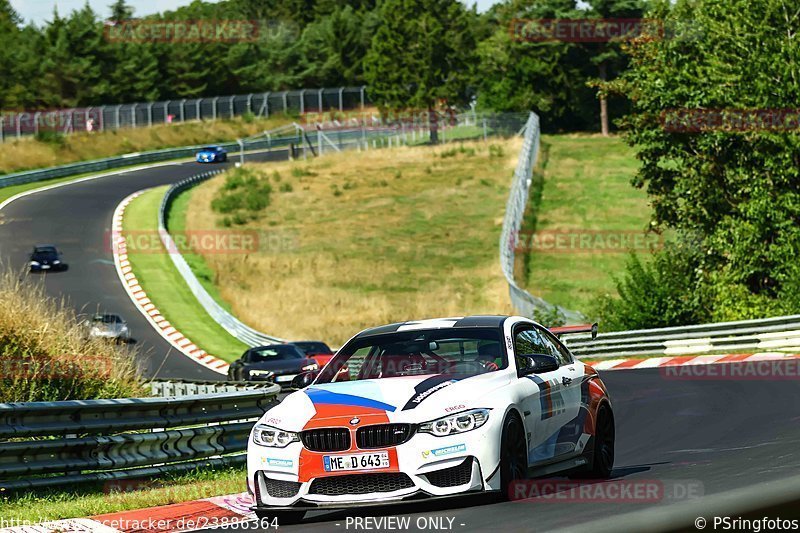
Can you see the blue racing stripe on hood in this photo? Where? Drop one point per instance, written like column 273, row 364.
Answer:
column 325, row 397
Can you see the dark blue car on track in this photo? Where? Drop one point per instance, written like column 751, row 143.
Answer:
column 212, row 154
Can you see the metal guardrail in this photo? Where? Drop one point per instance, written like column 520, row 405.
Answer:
column 769, row 334
column 182, row 387
column 47, row 444
column 525, row 303
column 302, row 141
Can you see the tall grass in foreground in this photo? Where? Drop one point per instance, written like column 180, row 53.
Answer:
column 45, row 354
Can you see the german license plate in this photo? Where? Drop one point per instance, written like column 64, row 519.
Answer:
column 356, row 461
column 284, row 379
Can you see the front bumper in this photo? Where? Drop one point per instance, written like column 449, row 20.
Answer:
column 425, row 467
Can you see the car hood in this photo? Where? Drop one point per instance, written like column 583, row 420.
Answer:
column 280, row 365
column 410, row 399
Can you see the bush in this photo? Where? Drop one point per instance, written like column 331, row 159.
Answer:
column 241, row 191
column 45, row 354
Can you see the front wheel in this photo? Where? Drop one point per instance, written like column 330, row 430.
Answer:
column 283, row 518
column 513, row 455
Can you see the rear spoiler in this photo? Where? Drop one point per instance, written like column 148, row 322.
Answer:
column 570, row 330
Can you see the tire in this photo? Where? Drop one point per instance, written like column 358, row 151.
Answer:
column 513, row 455
column 285, row 518
column 603, row 452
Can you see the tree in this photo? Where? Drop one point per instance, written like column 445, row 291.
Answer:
column 121, row 11
column 726, row 177
column 422, row 53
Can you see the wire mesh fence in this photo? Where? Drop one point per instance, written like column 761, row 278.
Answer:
column 14, row 125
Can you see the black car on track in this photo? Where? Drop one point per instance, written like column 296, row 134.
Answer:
column 45, row 257
column 279, row 363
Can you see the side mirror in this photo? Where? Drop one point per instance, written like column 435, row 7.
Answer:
column 537, row 364
column 303, row 380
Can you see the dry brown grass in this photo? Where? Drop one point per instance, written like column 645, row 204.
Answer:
column 29, row 153
column 44, row 353
column 370, row 238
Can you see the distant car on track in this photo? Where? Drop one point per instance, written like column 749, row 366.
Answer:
column 109, row 326
column 212, row 154
column 45, row 257
column 280, row 363
column 322, row 354
column 436, row 408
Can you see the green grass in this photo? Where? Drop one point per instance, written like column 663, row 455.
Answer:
column 165, row 287
column 99, row 498
column 586, row 191
column 176, row 223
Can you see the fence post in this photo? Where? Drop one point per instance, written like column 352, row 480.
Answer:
column 302, row 101
column 133, row 115
column 362, row 96
column 250, row 103
column 183, row 110
column 36, row 122
column 341, row 99
column 266, row 104
column 166, row 111
column 2, row 128
column 197, row 109
column 285, row 101
column 214, row 108
column 232, row 113
column 150, row 114
column 116, row 117
column 320, row 100
column 19, row 125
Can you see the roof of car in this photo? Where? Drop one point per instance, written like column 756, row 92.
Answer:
column 476, row 321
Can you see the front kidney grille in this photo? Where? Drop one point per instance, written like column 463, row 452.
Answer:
column 453, row 476
column 360, row 484
column 326, row 439
column 383, row 435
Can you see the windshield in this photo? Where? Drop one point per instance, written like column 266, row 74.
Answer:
column 45, row 250
column 107, row 319
column 464, row 352
column 274, row 353
column 209, row 149
column 317, row 348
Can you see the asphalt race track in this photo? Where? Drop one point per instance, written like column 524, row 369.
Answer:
column 699, row 435
column 77, row 219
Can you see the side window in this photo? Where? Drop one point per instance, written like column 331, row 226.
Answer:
column 560, row 352
column 530, row 341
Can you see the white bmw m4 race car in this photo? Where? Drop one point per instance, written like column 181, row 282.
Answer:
column 432, row 408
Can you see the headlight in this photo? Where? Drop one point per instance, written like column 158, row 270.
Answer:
column 460, row 423
column 34, row 263
column 312, row 366
column 273, row 437
column 261, row 372
column 56, row 262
